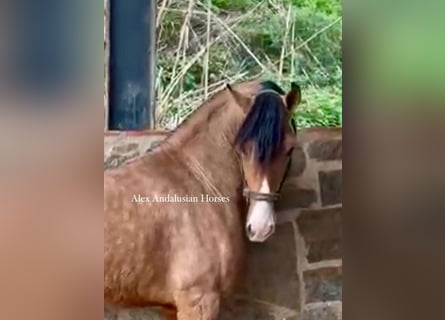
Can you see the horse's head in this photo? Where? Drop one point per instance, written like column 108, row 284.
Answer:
column 265, row 142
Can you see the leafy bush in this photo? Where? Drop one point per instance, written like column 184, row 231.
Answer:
column 280, row 40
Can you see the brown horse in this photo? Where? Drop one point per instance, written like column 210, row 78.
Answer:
column 174, row 217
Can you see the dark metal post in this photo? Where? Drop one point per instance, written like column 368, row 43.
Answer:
column 132, row 50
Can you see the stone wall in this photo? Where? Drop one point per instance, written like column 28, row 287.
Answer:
column 297, row 273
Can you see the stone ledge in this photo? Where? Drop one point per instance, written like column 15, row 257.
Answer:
column 137, row 133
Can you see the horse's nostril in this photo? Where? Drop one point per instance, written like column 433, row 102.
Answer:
column 249, row 230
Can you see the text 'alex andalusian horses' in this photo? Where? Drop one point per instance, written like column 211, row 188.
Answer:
column 174, row 217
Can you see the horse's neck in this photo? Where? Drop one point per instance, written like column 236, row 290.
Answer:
column 205, row 145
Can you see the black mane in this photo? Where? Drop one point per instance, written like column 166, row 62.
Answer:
column 263, row 124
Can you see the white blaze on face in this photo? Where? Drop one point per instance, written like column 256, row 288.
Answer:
column 260, row 223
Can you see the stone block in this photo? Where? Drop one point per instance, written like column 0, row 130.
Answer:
column 131, row 314
column 116, row 160
column 242, row 309
column 325, row 150
column 298, row 163
column 153, row 145
column 272, row 269
column 322, row 233
column 125, row 148
column 292, row 196
column 323, row 284
column 330, row 187
column 323, row 311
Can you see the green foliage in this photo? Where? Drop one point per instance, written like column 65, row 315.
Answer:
column 323, row 109
column 261, row 43
column 327, row 7
column 231, row 5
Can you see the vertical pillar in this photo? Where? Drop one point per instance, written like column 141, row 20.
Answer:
column 132, row 50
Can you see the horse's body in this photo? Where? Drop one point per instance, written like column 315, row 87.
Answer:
column 183, row 254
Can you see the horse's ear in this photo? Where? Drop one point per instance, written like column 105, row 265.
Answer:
column 293, row 97
column 240, row 99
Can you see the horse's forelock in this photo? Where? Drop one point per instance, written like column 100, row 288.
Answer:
column 262, row 127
